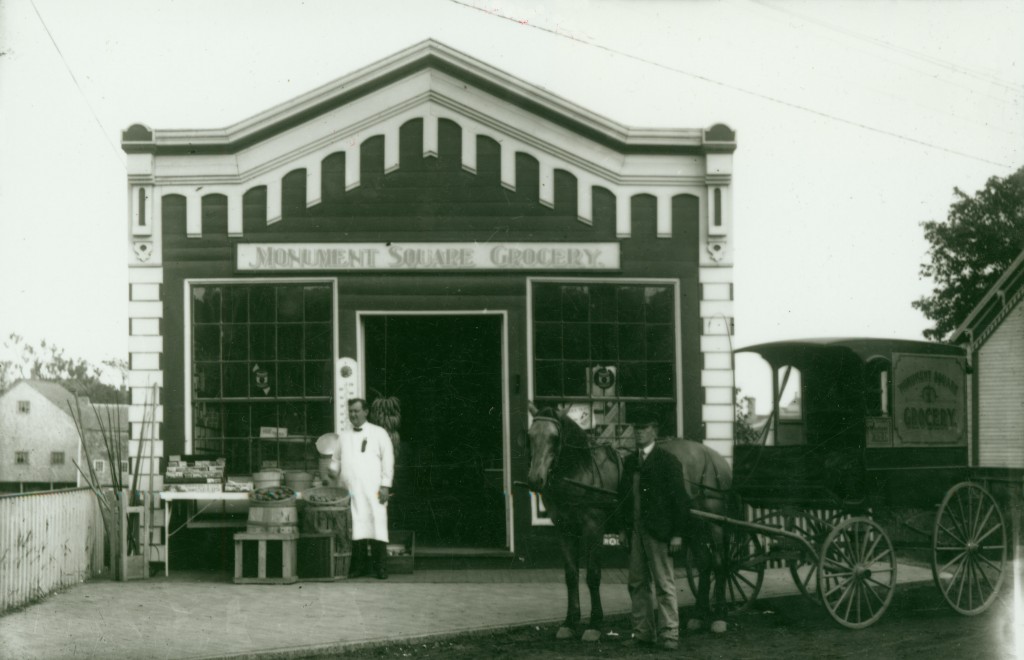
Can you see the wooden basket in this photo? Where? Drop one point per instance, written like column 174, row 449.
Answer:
column 327, row 496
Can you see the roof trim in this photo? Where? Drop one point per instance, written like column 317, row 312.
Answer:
column 968, row 327
column 428, row 54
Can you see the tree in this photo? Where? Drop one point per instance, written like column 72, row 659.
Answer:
column 743, row 431
column 981, row 236
column 50, row 362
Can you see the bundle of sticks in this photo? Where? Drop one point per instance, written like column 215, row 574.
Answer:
column 386, row 412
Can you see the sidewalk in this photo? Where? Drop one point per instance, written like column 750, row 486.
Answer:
column 193, row 616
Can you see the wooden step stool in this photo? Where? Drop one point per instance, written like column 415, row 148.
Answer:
column 276, row 547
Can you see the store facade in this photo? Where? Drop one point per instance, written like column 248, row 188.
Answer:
column 432, row 229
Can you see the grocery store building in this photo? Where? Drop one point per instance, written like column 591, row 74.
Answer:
column 433, row 229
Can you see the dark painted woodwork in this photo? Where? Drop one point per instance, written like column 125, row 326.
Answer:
column 433, row 199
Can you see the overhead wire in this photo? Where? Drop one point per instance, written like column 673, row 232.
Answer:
column 737, row 88
column 74, row 78
column 954, row 67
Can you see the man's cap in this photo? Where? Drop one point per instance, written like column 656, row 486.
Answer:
column 645, row 419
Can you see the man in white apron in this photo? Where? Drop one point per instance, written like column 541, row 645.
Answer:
column 365, row 463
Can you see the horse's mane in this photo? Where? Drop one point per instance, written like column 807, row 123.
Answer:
column 576, row 445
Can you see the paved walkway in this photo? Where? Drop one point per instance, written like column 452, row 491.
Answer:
column 193, row 616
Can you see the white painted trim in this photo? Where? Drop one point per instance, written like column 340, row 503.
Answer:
column 140, row 274
column 506, row 442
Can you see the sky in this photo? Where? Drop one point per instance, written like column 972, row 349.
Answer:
column 854, row 120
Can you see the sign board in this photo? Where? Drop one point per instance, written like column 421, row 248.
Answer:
column 289, row 257
column 929, row 401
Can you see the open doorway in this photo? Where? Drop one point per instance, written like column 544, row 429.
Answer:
column 447, row 372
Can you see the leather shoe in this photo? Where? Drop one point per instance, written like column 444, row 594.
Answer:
column 669, row 644
column 636, row 642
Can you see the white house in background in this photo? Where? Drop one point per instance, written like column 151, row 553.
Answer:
column 994, row 335
column 39, row 441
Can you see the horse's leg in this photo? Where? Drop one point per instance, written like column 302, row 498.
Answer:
column 593, row 540
column 570, row 554
column 702, row 560
column 719, row 557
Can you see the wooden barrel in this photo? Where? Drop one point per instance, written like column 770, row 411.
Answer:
column 298, row 480
column 280, row 517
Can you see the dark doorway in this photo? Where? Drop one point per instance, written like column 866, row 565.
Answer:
column 446, row 371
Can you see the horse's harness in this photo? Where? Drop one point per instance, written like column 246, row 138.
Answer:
column 586, row 447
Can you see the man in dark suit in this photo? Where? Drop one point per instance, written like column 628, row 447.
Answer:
column 655, row 511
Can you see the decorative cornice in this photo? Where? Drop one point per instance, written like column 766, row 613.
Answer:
column 428, row 55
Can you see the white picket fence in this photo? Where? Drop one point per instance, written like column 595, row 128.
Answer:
column 48, row 540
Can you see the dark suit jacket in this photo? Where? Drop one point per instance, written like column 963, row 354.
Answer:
column 664, row 506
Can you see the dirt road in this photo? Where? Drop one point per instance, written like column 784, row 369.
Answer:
column 917, row 625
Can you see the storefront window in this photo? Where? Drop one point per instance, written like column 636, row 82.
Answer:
column 261, row 373
column 608, row 353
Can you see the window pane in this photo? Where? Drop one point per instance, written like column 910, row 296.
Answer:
column 206, row 342
column 262, row 379
column 631, row 304
column 547, row 302
column 206, row 379
column 290, row 379
column 604, row 341
column 631, row 341
column 289, row 304
column 262, row 305
column 318, row 379
column 205, row 304
column 293, row 418
column 660, row 304
column 575, row 303
column 661, row 342
column 262, row 342
column 319, row 419
column 236, row 304
column 289, row 342
column 236, row 342
column 318, row 303
column 574, row 378
column 576, row 338
column 548, row 376
column 236, row 379
column 659, row 379
column 547, row 341
column 318, row 341
column 602, row 303
column 632, row 379
column 237, row 421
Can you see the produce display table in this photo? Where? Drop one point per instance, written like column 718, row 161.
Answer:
column 193, row 501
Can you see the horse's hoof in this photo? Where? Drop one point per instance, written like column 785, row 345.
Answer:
column 693, row 625
column 591, row 635
column 719, row 627
column 564, row 633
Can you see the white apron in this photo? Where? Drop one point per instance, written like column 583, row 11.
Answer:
column 363, row 472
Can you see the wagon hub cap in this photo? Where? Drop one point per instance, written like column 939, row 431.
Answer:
column 972, row 546
column 862, row 572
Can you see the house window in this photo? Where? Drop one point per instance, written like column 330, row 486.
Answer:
column 99, row 465
column 608, row 352
column 23, row 407
column 262, row 373
column 56, row 458
column 21, row 458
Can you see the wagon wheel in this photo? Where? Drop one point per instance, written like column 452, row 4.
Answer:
column 744, row 570
column 857, row 572
column 804, row 570
column 969, row 549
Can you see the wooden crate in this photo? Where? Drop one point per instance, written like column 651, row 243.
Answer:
column 265, row 558
column 316, row 558
column 402, row 563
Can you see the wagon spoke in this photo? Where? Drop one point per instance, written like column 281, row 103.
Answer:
column 989, row 533
column 881, row 601
column 952, row 534
column 984, row 576
column 959, row 557
column 982, row 524
column 851, row 592
column 995, row 567
column 839, row 585
column 881, row 585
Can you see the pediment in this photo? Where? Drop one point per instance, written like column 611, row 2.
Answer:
column 433, row 83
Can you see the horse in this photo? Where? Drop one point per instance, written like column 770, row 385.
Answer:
column 579, row 485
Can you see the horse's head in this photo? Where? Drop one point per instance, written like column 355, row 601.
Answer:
column 543, row 439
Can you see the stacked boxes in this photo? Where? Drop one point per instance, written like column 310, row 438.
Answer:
column 194, row 474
